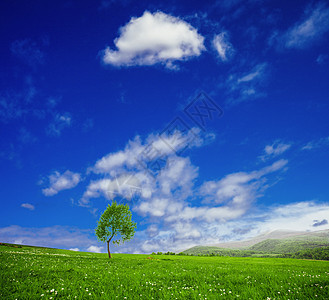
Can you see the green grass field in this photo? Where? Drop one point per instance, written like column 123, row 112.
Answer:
column 42, row 273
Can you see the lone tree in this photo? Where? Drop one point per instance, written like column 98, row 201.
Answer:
column 115, row 225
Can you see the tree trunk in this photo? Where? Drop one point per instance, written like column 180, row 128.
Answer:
column 108, row 248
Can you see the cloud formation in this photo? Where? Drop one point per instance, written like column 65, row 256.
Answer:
column 247, row 85
column 74, row 249
column 315, row 144
column 59, row 182
column 95, row 249
column 223, row 47
column 230, row 197
column 165, row 199
column 178, row 236
column 146, row 167
column 182, row 235
column 312, row 27
column 275, row 149
column 54, row 236
column 28, row 206
column 60, row 122
column 297, row 216
column 154, row 38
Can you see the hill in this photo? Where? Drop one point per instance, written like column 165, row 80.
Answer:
column 275, row 242
column 275, row 234
column 289, row 245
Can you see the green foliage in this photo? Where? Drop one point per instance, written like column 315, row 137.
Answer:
column 289, row 245
column 315, row 253
column 216, row 251
column 115, row 224
column 167, row 253
column 30, row 272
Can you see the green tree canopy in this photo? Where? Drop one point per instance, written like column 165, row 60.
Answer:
column 115, row 225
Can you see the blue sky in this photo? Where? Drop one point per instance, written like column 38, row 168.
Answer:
column 209, row 118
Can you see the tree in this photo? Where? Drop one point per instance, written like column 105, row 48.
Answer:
column 115, row 225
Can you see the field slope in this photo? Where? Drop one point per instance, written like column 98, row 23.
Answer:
column 43, row 273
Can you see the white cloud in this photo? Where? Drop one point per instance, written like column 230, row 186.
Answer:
column 183, row 234
column 28, row 206
column 156, row 207
column 230, row 197
column 172, row 198
column 186, row 225
column 95, row 249
column 123, row 185
column 74, row 249
column 59, row 182
column 246, row 86
column 169, row 191
column 177, row 177
column 295, row 216
column 55, row 237
column 60, row 122
column 130, row 171
column 152, row 230
column 117, row 160
column 155, row 146
column 223, row 47
column 15, row 105
column 257, row 72
column 275, row 149
column 311, row 28
column 322, row 142
column 154, row 38
column 174, row 178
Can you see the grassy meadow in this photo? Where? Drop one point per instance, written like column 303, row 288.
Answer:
column 44, row 273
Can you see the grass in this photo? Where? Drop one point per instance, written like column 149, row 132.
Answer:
column 43, row 273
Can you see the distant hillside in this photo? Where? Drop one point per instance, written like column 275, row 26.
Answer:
column 288, row 245
column 276, row 234
column 275, row 242
column 208, row 250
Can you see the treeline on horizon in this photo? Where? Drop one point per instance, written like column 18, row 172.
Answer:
column 321, row 253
